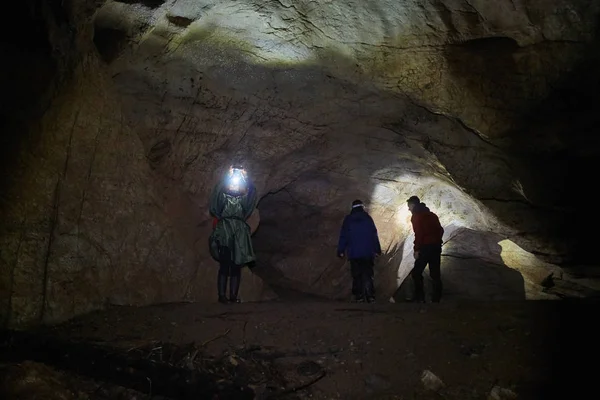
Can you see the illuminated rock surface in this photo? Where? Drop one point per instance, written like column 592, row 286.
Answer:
column 468, row 104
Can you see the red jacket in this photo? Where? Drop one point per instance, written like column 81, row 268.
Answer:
column 426, row 226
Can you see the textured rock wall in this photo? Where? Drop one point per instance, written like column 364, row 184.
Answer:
column 494, row 68
column 482, row 62
column 88, row 224
column 85, row 223
column 324, row 102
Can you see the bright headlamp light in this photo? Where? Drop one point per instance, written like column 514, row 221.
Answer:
column 236, row 181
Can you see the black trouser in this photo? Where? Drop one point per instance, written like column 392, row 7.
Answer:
column 362, row 277
column 228, row 269
column 429, row 254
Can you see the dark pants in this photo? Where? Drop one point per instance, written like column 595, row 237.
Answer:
column 362, row 278
column 429, row 254
column 227, row 269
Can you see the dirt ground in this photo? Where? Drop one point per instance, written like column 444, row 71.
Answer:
column 499, row 350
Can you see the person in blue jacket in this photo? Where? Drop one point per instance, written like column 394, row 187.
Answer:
column 359, row 242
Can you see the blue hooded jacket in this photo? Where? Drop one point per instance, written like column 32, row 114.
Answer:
column 358, row 236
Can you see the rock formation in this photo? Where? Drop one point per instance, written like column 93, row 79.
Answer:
column 478, row 107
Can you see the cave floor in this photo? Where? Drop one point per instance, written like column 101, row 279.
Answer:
column 536, row 349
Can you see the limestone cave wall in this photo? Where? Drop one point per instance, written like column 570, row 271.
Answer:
column 119, row 116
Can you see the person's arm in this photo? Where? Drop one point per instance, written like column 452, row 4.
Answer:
column 418, row 230
column 343, row 240
column 376, row 238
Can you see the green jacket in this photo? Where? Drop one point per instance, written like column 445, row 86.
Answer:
column 231, row 230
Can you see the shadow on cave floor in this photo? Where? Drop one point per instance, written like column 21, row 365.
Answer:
column 285, row 293
column 286, row 289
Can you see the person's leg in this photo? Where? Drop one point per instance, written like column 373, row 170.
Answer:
column 224, row 270
column 367, row 279
column 417, row 277
column 357, row 290
column 234, row 282
column 436, row 274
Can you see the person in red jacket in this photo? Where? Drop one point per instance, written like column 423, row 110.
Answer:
column 427, row 248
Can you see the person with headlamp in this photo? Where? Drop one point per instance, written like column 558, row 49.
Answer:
column 232, row 202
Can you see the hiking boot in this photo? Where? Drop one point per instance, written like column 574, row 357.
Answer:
column 234, row 288
column 356, row 299
column 371, row 300
column 221, row 287
column 416, row 300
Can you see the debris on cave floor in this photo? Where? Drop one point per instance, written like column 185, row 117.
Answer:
column 31, row 380
column 165, row 370
column 308, row 350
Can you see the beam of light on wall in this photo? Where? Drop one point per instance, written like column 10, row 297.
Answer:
column 518, row 258
column 532, row 269
column 445, row 199
column 403, row 217
column 513, row 255
column 242, row 33
column 454, row 207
